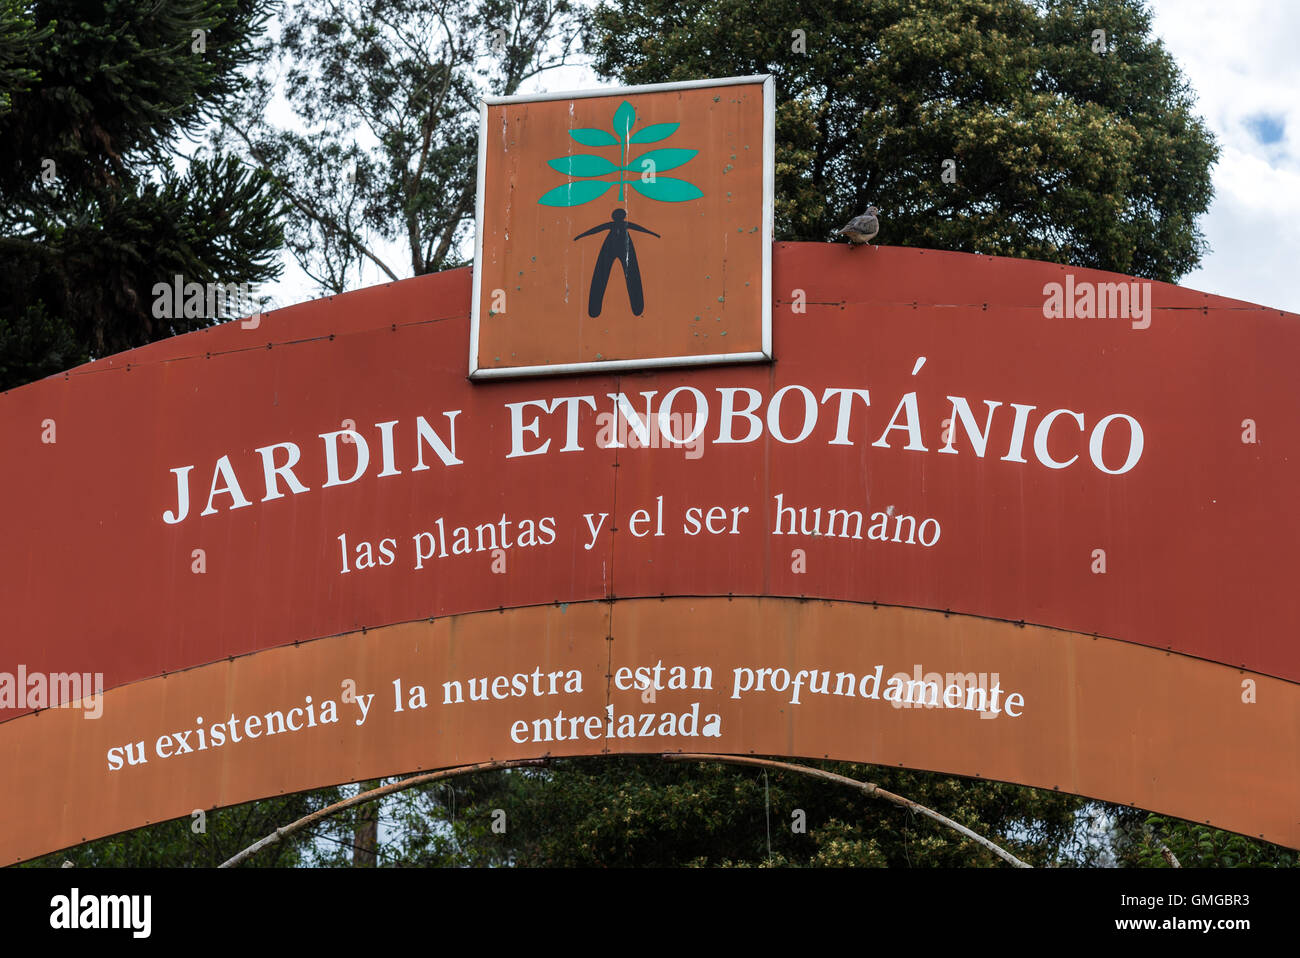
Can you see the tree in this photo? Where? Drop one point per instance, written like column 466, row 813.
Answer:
column 94, row 212
column 386, row 97
column 1058, row 143
column 1145, row 840
column 625, row 811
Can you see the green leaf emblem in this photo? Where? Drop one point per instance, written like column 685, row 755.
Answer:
column 667, row 189
column 583, row 164
column 662, row 159
column 654, row 133
column 624, row 120
column 589, row 166
column 590, row 137
column 574, row 194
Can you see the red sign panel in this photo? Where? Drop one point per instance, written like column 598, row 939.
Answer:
column 983, row 437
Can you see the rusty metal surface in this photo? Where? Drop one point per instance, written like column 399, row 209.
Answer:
column 1197, row 537
column 700, row 276
column 1108, row 719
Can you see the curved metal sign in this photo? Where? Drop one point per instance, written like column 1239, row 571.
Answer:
column 976, row 517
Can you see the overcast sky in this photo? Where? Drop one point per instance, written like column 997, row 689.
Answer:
column 1242, row 61
column 1243, row 66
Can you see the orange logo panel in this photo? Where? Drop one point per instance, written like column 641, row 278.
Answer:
column 624, row 230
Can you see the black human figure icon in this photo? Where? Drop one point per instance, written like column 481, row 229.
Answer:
column 617, row 246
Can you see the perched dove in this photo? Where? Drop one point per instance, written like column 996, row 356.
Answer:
column 862, row 229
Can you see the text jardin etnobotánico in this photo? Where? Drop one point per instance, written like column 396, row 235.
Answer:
column 722, row 416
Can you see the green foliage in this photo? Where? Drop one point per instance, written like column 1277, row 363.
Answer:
column 34, row 344
column 644, row 811
column 384, row 140
column 18, row 31
column 438, row 825
column 93, row 210
column 1139, row 836
column 1061, row 154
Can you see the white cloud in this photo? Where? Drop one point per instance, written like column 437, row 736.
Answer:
column 1240, row 60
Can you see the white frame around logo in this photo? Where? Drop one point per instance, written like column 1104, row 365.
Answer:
column 769, row 157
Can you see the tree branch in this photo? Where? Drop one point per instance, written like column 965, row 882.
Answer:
column 1165, row 851
column 873, row 790
column 467, row 197
column 306, row 208
column 363, row 797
